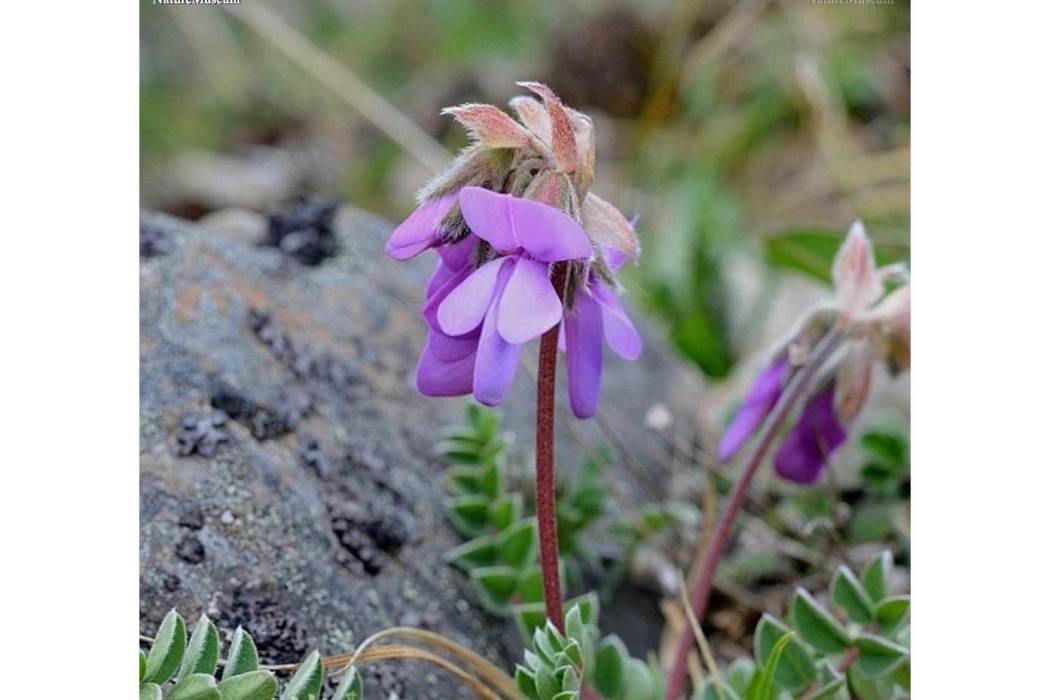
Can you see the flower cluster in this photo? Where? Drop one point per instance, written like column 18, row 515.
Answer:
column 513, row 206
column 876, row 326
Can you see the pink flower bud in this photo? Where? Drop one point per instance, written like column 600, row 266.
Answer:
column 857, row 284
column 491, row 127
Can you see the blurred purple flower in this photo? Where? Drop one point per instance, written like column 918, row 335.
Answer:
column 763, row 395
column 598, row 313
column 874, row 325
column 805, row 450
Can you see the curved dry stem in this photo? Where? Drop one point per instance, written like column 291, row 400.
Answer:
column 400, row 651
column 489, row 672
column 701, row 640
column 403, row 651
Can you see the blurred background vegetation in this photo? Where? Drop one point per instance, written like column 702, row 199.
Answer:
column 744, row 136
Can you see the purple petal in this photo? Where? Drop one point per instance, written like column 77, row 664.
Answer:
column 760, row 399
column 436, row 293
column 620, row 333
column 458, row 255
column 529, row 306
column 511, row 223
column 446, row 367
column 497, row 360
column 441, row 275
column 420, row 230
column 547, row 233
column 818, row 433
column 583, row 355
column 464, row 308
column 488, row 216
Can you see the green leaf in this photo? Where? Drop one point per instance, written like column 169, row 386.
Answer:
column 639, row 683
column 876, row 576
column 249, row 685
column 739, row 674
column 505, row 510
column 496, row 585
column 530, row 585
column 529, row 616
column 762, row 683
column 710, row 691
column 892, row 611
column 166, row 652
column 202, row 653
column 574, row 627
column 878, row 656
column 828, row 691
column 243, row 656
column 795, row 670
column 463, row 479
column 902, row 675
column 149, row 691
column 545, row 644
column 491, row 479
column 589, row 607
column 574, row 650
column 811, row 252
column 547, row 683
column 889, row 448
column 526, row 681
column 567, row 695
column 867, row 688
column 815, row 625
column 469, row 514
column 196, row 686
column 306, row 683
column 848, row 592
column 609, row 668
column 874, row 521
column 351, row 687
column 517, row 545
column 142, row 665
column 480, row 551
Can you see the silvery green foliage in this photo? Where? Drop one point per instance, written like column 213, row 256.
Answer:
column 177, row 669
column 866, row 630
column 557, row 665
column 500, row 555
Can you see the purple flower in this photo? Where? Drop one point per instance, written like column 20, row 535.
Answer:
column 510, row 300
column 446, row 366
column 818, row 433
column 598, row 313
column 761, row 398
column 421, row 230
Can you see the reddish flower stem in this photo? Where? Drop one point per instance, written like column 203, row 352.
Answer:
column 546, row 509
column 701, row 590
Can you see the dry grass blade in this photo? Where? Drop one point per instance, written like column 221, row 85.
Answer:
column 400, row 651
column 701, row 640
column 383, row 115
column 729, row 31
column 488, row 671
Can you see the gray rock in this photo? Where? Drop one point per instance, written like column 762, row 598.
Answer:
column 288, row 482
